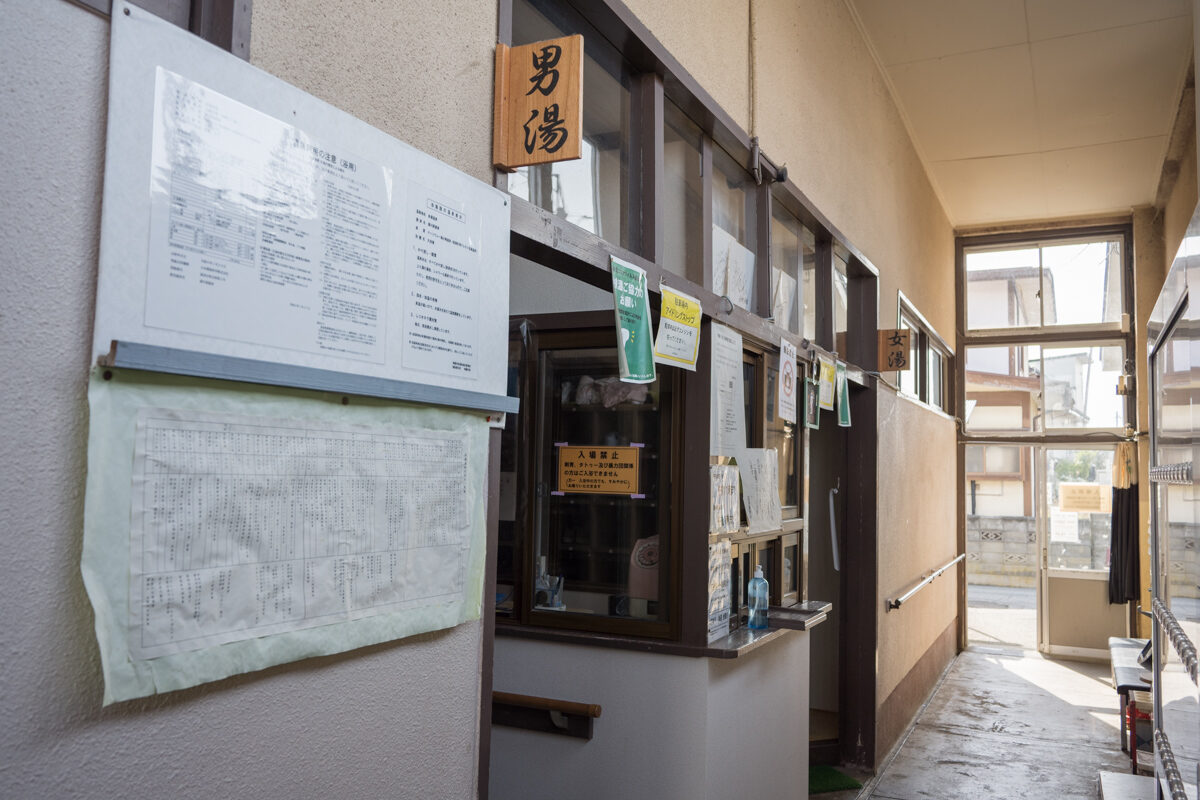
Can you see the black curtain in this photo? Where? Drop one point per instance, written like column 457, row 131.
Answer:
column 1125, row 569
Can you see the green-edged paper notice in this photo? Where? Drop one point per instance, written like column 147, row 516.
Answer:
column 635, row 342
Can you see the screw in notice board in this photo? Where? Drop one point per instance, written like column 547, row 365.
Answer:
column 107, row 375
column 345, row 400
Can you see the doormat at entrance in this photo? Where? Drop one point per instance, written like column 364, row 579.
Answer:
column 822, row 779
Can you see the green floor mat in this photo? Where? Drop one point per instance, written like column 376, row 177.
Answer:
column 823, row 779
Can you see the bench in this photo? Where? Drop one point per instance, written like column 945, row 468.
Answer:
column 1119, row 786
column 1127, row 676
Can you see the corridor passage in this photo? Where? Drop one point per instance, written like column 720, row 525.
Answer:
column 1008, row 723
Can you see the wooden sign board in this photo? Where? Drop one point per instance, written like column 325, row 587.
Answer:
column 893, row 350
column 592, row 469
column 538, row 115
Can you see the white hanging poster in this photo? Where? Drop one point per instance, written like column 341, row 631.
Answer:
column 720, row 573
column 1064, row 527
column 759, row 470
column 788, row 386
column 727, row 428
column 726, row 501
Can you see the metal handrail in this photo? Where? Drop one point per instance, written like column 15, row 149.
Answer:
column 892, row 604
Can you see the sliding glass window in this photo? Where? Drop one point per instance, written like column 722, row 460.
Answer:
column 1045, row 284
column 591, row 192
column 734, row 230
column 793, row 261
column 683, row 196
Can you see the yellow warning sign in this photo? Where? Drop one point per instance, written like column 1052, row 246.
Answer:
column 589, row 469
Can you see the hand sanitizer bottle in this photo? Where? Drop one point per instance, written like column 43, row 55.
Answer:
column 759, row 595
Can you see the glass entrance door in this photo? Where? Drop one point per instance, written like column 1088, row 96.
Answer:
column 1074, row 522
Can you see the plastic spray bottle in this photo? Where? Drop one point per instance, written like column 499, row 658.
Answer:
column 759, row 597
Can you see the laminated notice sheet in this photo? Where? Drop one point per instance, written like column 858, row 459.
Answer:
column 247, row 526
column 228, row 528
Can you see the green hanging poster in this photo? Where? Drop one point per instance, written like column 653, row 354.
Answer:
column 843, row 396
column 635, row 342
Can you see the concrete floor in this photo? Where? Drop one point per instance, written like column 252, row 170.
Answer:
column 1006, row 724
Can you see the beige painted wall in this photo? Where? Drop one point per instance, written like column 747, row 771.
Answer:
column 1080, row 616
column 821, row 106
column 429, row 85
column 917, row 533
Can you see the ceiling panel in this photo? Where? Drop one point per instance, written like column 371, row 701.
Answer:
column 1052, row 18
column 1107, row 177
column 981, row 190
column 919, row 29
column 951, row 118
column 1110, row 85
column 1034, row 109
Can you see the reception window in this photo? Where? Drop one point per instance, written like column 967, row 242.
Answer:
column 597, row 525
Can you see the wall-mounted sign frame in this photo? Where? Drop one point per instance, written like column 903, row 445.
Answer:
column 250, row 226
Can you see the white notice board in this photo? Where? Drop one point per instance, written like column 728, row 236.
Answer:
column 243, row 217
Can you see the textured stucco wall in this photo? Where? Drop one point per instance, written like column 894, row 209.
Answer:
column 396, row 720
column 711, row 39
column 418, row 71
column 917, row 532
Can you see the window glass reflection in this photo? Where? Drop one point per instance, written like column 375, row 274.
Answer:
column 734, row 224
column 589, row 192
column 782, row 436
column 793, row 249
column 682, row 196
column 841, row 299
column 601, row 549
column 1004, row 388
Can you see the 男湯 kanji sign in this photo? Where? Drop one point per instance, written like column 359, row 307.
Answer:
column 539, row 103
